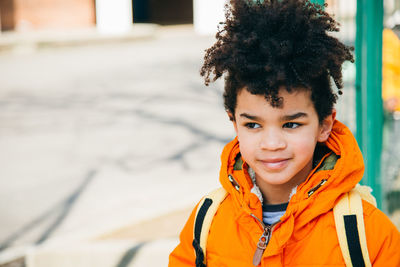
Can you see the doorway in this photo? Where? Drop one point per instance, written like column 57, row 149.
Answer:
column 163, row 12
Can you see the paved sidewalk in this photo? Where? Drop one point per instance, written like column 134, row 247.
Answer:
column 96, row 139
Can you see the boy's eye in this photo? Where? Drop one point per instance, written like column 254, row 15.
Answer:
column 291, row 125
column 252, row 125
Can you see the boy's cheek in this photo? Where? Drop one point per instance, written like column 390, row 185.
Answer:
column 245, row 150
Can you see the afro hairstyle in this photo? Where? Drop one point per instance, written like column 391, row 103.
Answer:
column 266, row 45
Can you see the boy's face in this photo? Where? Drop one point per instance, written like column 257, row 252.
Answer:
column 278, row 143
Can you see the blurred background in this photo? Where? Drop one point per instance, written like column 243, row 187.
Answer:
column 108, row 136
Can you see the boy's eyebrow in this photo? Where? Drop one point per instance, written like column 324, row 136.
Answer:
column 250, row 117
column 294, row 116
column 284, row 118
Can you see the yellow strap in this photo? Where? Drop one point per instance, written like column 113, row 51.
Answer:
column 217, row 196
column 351, row 204
column 365, row 193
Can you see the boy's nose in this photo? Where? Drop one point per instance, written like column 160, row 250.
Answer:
column 272, row 140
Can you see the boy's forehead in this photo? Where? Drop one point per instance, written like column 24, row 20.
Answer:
column 298, row 96
column 295, row 104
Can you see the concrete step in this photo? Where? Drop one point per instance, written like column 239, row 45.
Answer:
column 21, row 41
column 147, row 243
column 110, row 253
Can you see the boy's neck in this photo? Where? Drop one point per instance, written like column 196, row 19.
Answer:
column 273, row 195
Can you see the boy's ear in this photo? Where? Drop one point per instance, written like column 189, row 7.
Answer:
column 232, row 119
column 326, row 126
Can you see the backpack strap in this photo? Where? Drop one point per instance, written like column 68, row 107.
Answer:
column 205, row 213
column 349, row 221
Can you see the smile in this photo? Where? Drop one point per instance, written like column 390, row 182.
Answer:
column 274, row 164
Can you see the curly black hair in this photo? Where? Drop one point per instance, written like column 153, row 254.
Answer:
column 264, row 45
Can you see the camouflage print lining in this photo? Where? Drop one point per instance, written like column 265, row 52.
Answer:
column 329, row 163
column 238, row 163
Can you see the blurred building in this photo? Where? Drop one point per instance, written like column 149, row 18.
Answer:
column 118, row 15
column 32, row 15
column 27, row 15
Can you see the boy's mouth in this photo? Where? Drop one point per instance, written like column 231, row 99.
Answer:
column 275, row 163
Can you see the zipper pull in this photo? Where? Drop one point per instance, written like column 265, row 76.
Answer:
column 315, row 188
column 262, row 245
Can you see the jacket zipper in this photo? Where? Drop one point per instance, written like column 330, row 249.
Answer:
column 263, row 241
column 315, row 188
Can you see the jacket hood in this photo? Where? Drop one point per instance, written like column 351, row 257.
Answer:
column 316, row 195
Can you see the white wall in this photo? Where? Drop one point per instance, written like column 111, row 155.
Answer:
column 207, row 14
column 114, row 16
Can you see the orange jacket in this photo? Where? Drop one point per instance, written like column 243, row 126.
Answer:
column 306, row 235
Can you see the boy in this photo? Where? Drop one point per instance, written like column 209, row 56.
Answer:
column 291, row 161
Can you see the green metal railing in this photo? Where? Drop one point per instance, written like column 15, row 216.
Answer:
column 321, row 2
column 369, row 110
column 368, row 91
